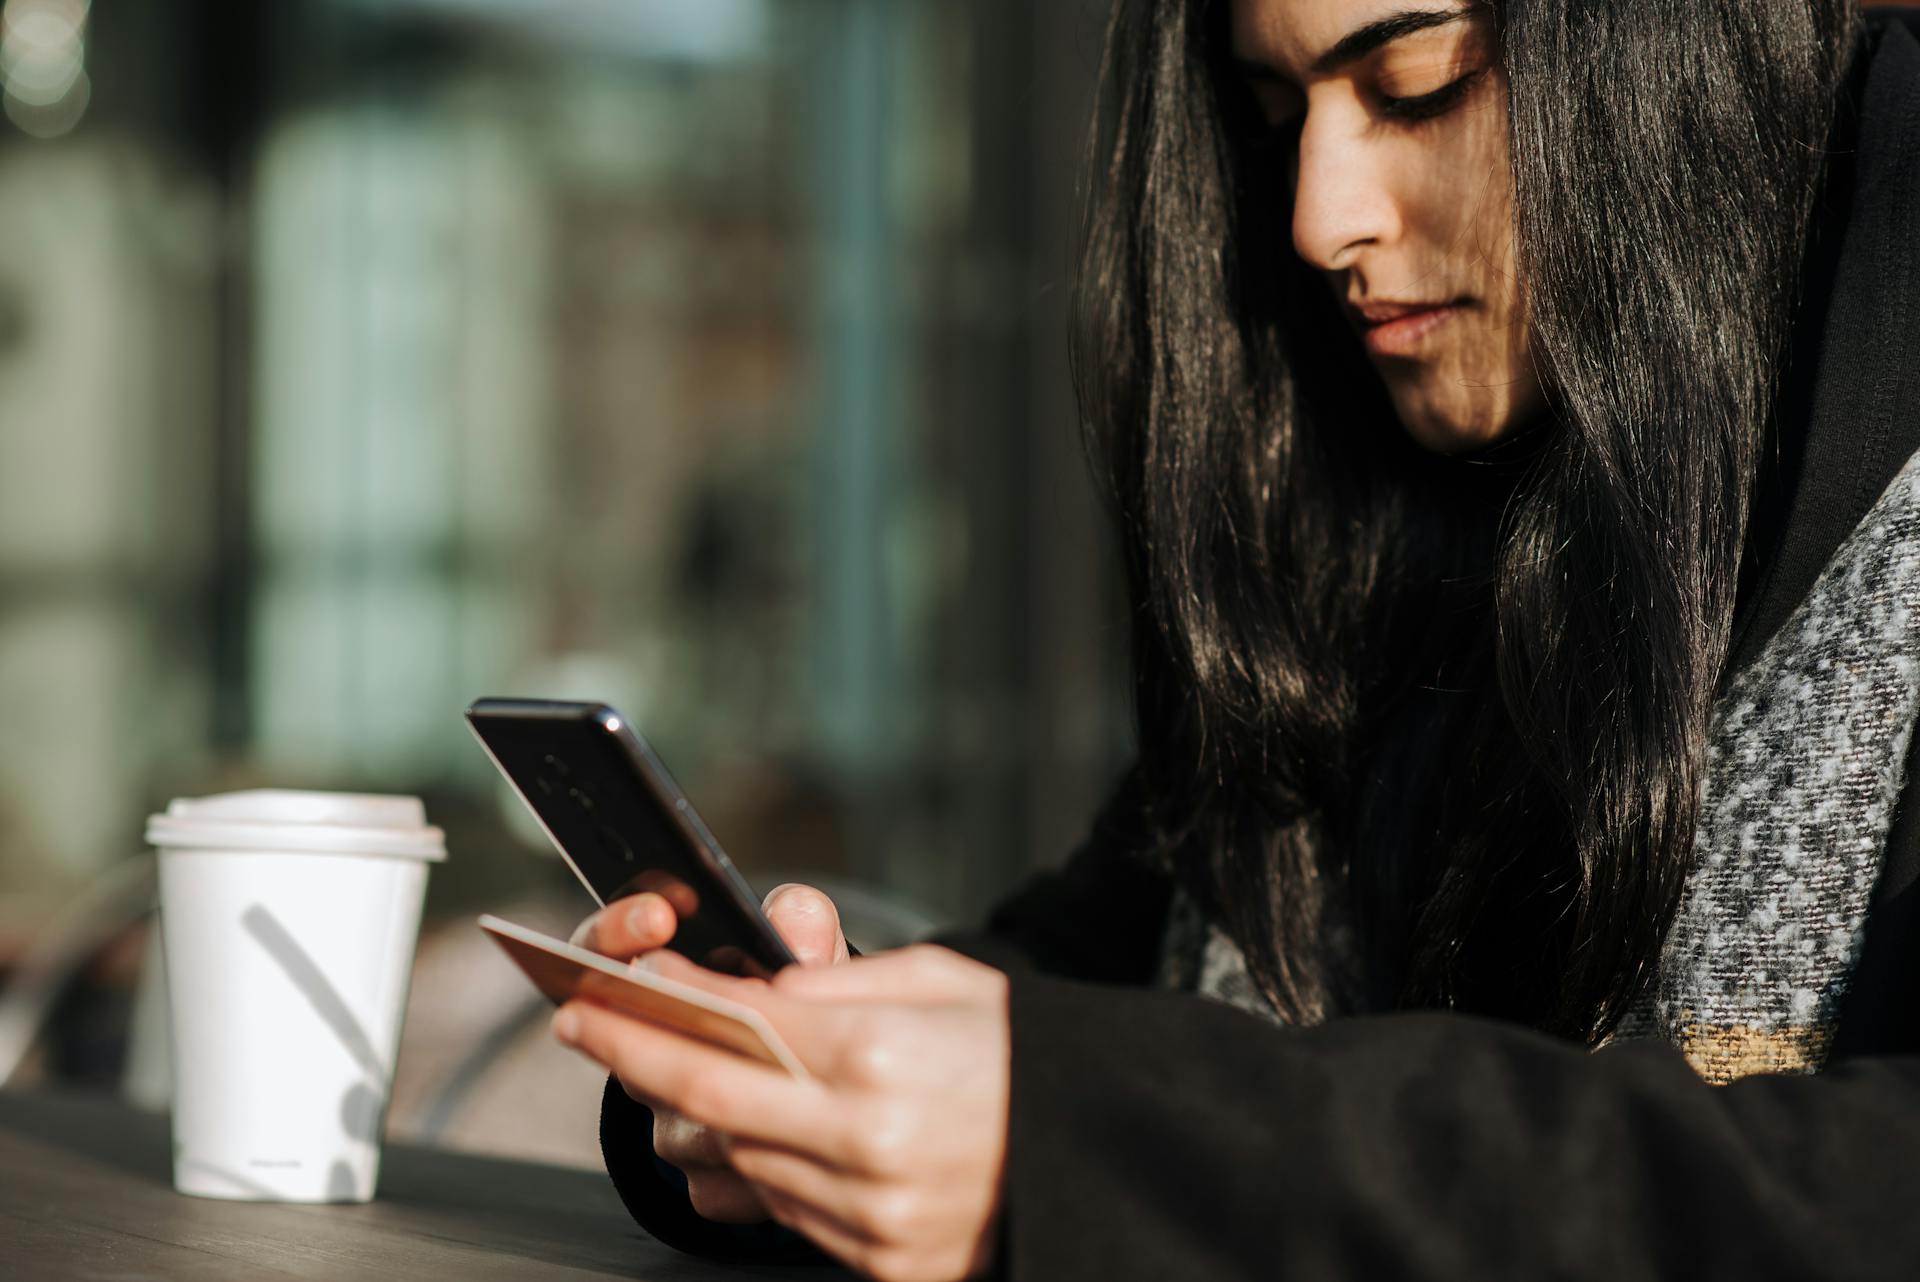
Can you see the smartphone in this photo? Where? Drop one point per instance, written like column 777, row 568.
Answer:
column 622, row 824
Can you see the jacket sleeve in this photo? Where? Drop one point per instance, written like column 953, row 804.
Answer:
column 1156, row 1135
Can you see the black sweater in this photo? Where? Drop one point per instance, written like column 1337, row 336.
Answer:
column 1157, row 1135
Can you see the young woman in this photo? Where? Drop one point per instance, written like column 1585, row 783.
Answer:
column 1511, row 415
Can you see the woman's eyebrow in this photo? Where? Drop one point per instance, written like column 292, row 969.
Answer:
column 1360, row 42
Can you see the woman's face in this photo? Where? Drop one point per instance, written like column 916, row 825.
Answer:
column 1403, row 196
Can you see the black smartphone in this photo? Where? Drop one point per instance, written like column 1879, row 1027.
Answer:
column 623, row 825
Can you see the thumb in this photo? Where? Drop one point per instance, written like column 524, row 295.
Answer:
column 808, row 921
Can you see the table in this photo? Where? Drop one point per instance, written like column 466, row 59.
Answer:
column 86, row 1194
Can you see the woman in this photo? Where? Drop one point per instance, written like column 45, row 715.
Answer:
column 1523, row 554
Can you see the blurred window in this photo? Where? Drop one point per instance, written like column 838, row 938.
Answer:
column 362, row 357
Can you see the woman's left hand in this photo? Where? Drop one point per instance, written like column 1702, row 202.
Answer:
column 891, row 1158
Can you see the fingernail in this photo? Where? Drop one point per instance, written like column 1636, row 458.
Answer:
column 566, row 1026
column 649, row 962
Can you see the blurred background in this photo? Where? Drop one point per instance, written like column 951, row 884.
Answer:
column 359, row 358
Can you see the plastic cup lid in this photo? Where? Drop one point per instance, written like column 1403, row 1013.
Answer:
column 275, row 819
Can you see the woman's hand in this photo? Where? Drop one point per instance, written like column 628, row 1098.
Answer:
column 892, row 1156
column 639, row 924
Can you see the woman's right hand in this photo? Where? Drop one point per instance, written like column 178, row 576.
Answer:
column 630, row 928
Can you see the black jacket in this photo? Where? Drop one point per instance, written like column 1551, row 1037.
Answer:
column 1156, row 1135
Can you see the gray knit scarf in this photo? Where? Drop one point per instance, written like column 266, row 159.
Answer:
column 1805, row 766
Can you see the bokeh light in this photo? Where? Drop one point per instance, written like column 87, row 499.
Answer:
column 43, row 76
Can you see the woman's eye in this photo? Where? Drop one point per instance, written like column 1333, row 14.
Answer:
column 1428, row 105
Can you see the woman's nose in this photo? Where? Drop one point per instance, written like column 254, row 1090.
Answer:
column 1341, row 201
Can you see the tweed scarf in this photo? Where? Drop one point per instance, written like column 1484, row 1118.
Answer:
column 1806, row 764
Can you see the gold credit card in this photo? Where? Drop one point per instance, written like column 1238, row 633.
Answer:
column 563, row 972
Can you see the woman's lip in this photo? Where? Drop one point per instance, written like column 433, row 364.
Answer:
column 1403, row 335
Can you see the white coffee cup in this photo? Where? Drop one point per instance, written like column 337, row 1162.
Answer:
column 288, row 921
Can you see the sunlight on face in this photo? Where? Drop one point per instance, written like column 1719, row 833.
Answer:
column 1395, row 116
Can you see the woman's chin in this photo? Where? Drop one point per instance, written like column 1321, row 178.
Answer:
column 1453, row 412
column 1444, row 435
column 1445, row 428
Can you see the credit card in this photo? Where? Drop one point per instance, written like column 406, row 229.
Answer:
column 563, row 971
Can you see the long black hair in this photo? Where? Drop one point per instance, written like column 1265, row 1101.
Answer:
column 1423, row 729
